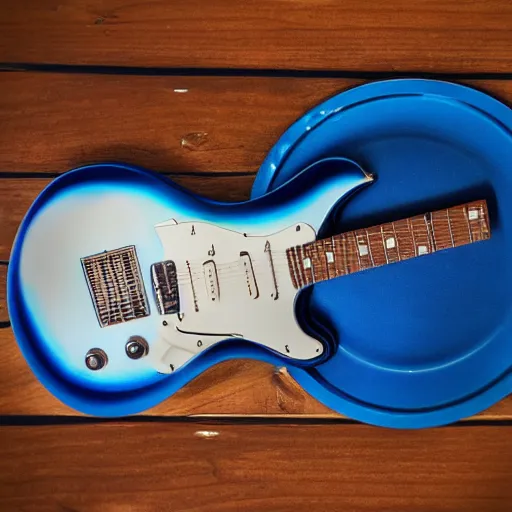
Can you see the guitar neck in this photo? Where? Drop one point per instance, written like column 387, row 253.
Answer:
column 388, row 243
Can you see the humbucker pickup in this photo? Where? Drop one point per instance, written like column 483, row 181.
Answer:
column 165, row 286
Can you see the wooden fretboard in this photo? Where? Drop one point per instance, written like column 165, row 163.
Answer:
column 388, row 243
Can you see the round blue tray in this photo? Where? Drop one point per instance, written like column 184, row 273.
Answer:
column 427, row 341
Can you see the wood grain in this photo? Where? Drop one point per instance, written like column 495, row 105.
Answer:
column 398, row 35
column 234, row 388
column 53, row 122
column 214, row 467
column 4, row 316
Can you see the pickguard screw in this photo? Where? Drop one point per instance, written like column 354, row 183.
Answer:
column 287, row 348
column 164, row 323
column 171, row 366
column 297, row 228
column 199, row 343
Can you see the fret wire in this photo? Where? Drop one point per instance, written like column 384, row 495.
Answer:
column 310, row 256
column 384, row 243
column 431, row 224
column 370, row 252
column 299, row 268
column 319, row 260
column 290, row 262
column 481, row 223
column 415, row 248
column 344, row 255
column 428, row 233
column 334, row 256
column 304, row 256
column 450, row 226
column 356, row 246
column 468, row 222
column 397, row 244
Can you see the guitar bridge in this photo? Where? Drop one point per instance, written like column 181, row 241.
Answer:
column 165, row 286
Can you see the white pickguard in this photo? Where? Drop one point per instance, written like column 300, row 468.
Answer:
column 231, row 285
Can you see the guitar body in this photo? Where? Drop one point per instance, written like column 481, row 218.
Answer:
column 233, row 295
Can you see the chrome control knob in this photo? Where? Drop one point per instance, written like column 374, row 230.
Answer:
column 96, row 359
column 136, row 347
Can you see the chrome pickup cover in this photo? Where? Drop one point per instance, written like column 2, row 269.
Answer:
column 165, row 286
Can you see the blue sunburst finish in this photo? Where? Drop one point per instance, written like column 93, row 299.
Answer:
column 108, row 206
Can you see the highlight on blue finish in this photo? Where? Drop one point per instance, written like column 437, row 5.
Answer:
column 429, row 341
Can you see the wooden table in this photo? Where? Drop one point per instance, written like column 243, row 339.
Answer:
column 201, row 91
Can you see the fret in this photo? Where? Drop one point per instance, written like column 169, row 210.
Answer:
column 298, row 265
column 427, row 218
column 344, row 252
column 330, row 258
column 461, row 231
column 405, row 239
column 363, row 249
column 312, row 254
column 388, row 243
column 353, row 260
column 325, row 256
column 306, row 264
column 376, row 246
column 442, row 230
column 338, row 257
column 477, row 220
column 292, row 267
column 369, row 247
column 450, row 227
column 359, row 262
column 421, row 233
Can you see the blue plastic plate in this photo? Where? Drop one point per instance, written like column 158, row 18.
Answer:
column 427, row 341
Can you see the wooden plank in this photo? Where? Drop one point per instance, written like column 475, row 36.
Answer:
column 235, row 388
column 398, row 35
column 16, row 196
column 4, row 316
column 52, row 122
column 224, row 468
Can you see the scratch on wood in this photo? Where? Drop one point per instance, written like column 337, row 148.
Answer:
column 206, row 434
column 193, row 141
column 289, row 396
column 180, row 91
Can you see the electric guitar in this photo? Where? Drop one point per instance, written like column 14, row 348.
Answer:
column 118, row 277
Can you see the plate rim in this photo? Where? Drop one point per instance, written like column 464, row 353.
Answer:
column 472, row 403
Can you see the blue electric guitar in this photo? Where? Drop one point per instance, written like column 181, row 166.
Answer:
column 118, row 278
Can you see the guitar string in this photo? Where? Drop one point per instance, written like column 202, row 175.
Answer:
column 280, row 260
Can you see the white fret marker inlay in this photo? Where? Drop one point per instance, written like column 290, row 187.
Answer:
column 330, row 257
column 307, row 263
column 473, row 214
column 422, row 249
column 390, row 243
column 363, row 249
